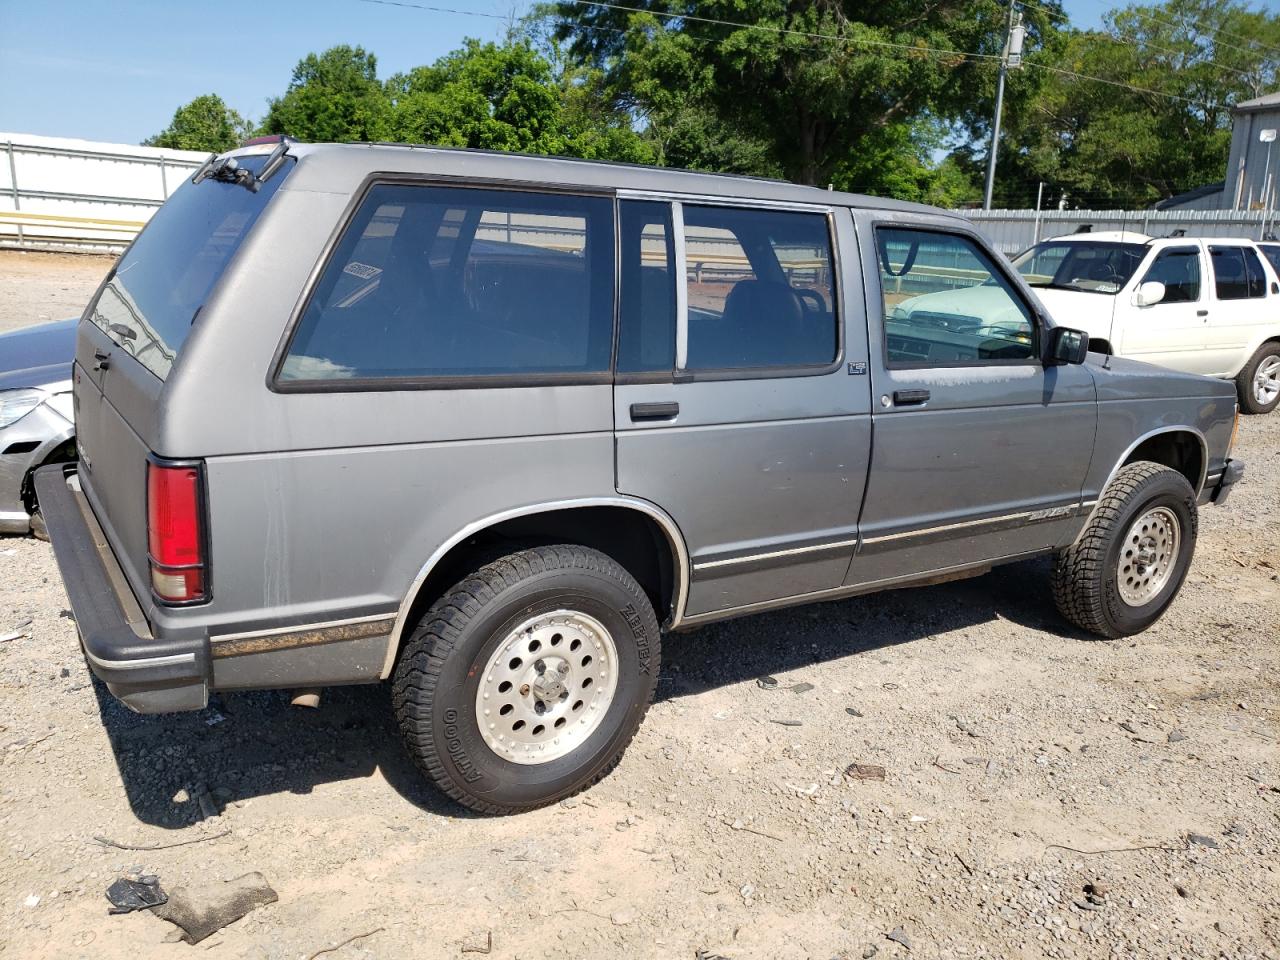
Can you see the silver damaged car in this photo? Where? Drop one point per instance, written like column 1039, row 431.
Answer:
column 36, row 425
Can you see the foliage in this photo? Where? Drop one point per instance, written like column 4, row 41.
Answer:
column 333, row 96
column 893, row 98
column 506, row 97
column 206, row 123
column 1109, row 144
column 798, row 89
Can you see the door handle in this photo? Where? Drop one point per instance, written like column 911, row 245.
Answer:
column 101, row 359
column 904, row 398
column 655, row 411
column 1202, row 313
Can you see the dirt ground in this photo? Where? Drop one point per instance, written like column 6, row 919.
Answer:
column 39, row 287
column 1044, row 795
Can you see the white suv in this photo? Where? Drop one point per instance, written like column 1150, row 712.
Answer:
column 1205, row 306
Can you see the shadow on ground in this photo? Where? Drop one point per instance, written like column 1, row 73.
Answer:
column 255, row 744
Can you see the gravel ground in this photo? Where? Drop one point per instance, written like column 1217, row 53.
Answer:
column 39, row 287
column 1044, row 795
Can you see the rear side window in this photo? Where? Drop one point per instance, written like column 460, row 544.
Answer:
column 441, row 282
column 1237, row 273
column 1272, row 252
column 150, row 303
column 1179, row 270
column 946, row 304
column 760, row 288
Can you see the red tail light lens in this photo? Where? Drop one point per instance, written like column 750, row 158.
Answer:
column 175, row 532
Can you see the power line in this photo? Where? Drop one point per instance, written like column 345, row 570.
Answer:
column 1130, row 40
column 912, row 48
column 1117, row 83
column 1186, row 25
column 786, row 31
column 1217, row 30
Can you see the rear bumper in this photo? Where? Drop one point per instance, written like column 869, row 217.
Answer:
column 1216, row 490
column 147, row 674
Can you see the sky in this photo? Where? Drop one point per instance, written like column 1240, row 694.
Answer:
column 117, row 70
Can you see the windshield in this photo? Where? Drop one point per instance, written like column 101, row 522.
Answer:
column 1090, row 266
column 151, row 300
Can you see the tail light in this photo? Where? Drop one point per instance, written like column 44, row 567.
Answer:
column 176, row 543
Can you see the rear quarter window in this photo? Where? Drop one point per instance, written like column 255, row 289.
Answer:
column 430, row 283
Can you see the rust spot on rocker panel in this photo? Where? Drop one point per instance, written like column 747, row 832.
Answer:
column 241, row 646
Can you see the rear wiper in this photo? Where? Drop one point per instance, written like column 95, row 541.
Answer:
column 227, row 170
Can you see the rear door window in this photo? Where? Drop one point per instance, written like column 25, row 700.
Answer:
column 760, row 288
column 442, row 282
column 1237, row 273
column 150, row 303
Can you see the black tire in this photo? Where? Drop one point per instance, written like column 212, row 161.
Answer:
column 1268, row 352
column 38, row 528
column 438, row 677
column 1086, row 577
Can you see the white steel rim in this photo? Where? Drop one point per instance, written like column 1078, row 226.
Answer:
column 1148, row 556
column 1266, row 380
column 547, row 687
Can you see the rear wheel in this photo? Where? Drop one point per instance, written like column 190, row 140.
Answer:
column 1129, row 562
column 1259, row 382
column 526, row 681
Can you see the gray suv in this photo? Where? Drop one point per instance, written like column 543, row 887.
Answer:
column 488, row 426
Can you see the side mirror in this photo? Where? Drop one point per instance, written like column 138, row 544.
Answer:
column 1066, row 346
column 1148, row 294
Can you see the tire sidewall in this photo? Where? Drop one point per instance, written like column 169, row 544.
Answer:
column 463, row 753
column 1160, row 491
column 1248, row 401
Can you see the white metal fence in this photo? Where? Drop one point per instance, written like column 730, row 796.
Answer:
column 1015, row 230
column 63, row 194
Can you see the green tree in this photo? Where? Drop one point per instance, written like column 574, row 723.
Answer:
column 332, row 96
column 507, row 97
column 805, row 90
column 206, row 123
column 1158, row 120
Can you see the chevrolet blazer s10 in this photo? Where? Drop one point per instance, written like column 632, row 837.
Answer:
column 487, row 427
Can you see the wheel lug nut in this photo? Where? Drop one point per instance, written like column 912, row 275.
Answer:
column 564, row 667
column 524, row 690
column 540, row 666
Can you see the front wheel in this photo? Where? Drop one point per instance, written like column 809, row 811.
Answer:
column 1129, row 562
column 525, row 682
column 1259, row 382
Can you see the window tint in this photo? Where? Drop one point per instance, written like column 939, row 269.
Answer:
column 1179, row 270
column 761, row 292
column 150, row 303
column 945, row 304
column 438, row 282
column 1237, row 273
column 647, row 339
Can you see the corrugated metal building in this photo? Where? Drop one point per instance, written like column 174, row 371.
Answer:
column 1251, row 180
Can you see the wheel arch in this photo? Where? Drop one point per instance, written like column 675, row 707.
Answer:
column 592, row 519
column 1168, row 446
column 1252, row 351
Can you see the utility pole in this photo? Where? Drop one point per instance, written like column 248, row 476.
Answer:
column 1011, row 56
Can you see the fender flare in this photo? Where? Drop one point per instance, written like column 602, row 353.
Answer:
column 1124, row 457
column 675, row 540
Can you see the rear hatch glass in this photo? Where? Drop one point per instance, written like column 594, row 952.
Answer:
column 151, row 300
